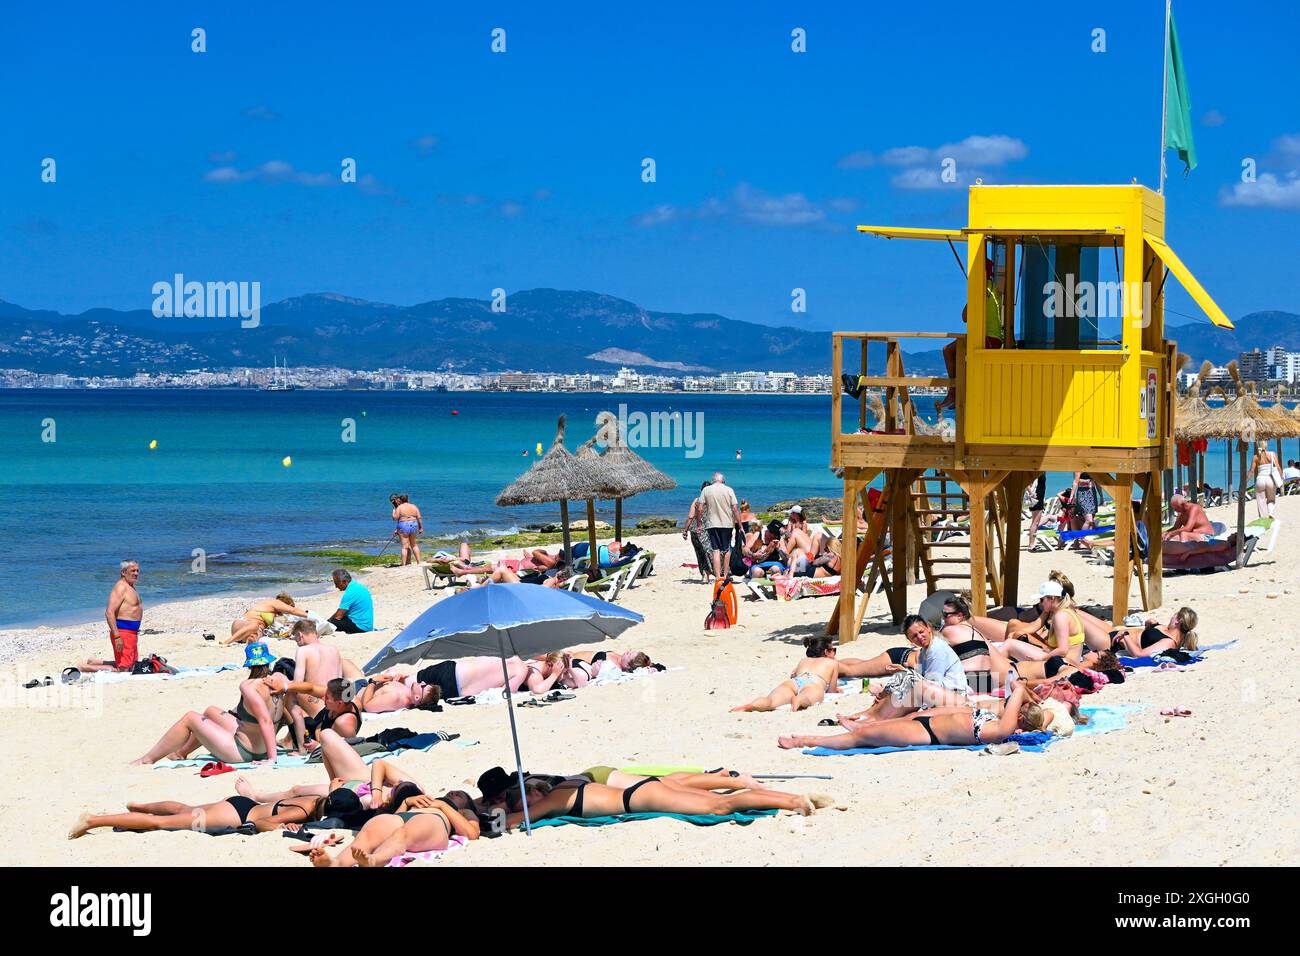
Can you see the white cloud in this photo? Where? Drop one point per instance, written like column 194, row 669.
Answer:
column 1213, row 118
column 922, row 165
column 792, row 209
column 1268, row 192
column 262, row 113
column 750, row 205
column 277, row 171
column 984, row 150
column 424, row 145
column 1278, row 183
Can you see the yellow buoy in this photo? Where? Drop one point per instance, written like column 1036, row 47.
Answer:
column 287, row 461
column 153, row 444
column 539, row 448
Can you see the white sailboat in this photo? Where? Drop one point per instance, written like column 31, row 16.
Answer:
column 279, row 382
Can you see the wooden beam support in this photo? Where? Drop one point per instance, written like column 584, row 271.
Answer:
column 849, row 572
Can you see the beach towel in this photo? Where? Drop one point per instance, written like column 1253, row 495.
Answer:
column 743, row 817
column 285, row 759
column 113, row 677
column 1101, row 720
column 428, row 856
column 1196, row 657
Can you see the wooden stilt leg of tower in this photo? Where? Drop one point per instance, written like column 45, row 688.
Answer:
column 849, row 567
column 1014, row 488
column 1154, row 508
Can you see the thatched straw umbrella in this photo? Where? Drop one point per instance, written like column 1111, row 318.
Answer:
column 556, row 476
column 632, row 474
column 1244, row 420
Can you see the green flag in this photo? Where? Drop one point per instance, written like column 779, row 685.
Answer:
column 1178, row 105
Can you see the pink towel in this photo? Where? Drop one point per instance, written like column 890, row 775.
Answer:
column 428, row 855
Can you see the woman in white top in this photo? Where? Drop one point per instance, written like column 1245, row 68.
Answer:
column 1266, row 469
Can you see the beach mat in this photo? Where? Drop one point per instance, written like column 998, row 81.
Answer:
column 428, row 856
column 283, row 759
column 743, row 817
column 1197, row 657
column 113, row 677
column 1101, row 720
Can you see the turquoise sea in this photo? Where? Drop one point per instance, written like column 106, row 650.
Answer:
column 72, row 508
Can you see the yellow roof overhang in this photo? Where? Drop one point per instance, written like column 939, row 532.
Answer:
column 902, row 232
column 1188, row 281
column 1047, row 233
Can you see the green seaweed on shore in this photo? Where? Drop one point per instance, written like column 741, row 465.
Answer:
column 350, row 558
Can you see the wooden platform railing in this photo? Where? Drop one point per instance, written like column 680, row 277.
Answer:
column 898, row 406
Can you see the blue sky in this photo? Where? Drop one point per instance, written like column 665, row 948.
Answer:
column 523, row 169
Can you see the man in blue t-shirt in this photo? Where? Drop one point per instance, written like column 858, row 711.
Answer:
column 356, row 611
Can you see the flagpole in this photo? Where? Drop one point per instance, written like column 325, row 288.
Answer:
column 1164, row 99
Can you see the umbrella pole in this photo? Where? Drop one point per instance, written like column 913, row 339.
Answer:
column 514, row 736
column 564, row 527
column 593, row 558
column 618, row 519
column 1241, row 503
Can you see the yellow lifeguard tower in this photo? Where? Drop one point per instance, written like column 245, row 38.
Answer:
column 1060, row 391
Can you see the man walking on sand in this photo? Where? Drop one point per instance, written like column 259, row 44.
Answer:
column 123, row 614
column 721, row 514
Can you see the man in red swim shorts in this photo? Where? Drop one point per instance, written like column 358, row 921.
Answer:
column 123, row 615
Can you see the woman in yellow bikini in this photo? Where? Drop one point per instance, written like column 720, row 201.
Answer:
column 249, row 626
column 1066, row 636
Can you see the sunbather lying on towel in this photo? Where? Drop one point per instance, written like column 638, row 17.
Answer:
column 955, row 726
column 586, row 666
column 1178, row 635
column 391, row 691
column 261, row 616
column 373, row 784
column 808, row 682
column 496, row 783
column 419, row 824
column 225, row 814
column 473, row 675
column 1103, row 663
column 244, row 734
column 651, row 795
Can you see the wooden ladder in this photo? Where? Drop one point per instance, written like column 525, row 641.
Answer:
column 943, row 559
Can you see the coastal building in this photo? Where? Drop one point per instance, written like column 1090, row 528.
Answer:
column 1253, row 365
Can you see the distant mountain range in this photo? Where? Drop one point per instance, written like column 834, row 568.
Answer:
column 542, row 330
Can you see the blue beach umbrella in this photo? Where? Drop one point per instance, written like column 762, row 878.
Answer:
column 505, row 619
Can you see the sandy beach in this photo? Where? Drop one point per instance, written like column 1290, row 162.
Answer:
column 1213, row 789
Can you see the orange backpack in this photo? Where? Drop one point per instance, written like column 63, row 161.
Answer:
column 725, row 608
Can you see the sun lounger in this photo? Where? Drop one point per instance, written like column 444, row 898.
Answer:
column 1261, row 527
column 1206, row 555
column 610, row 586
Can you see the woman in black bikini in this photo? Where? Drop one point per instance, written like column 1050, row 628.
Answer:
column 417, row 824
column 227, row 814
column 244, row 734
column 1178, row 635
column 953, row 726
column 650, row 795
